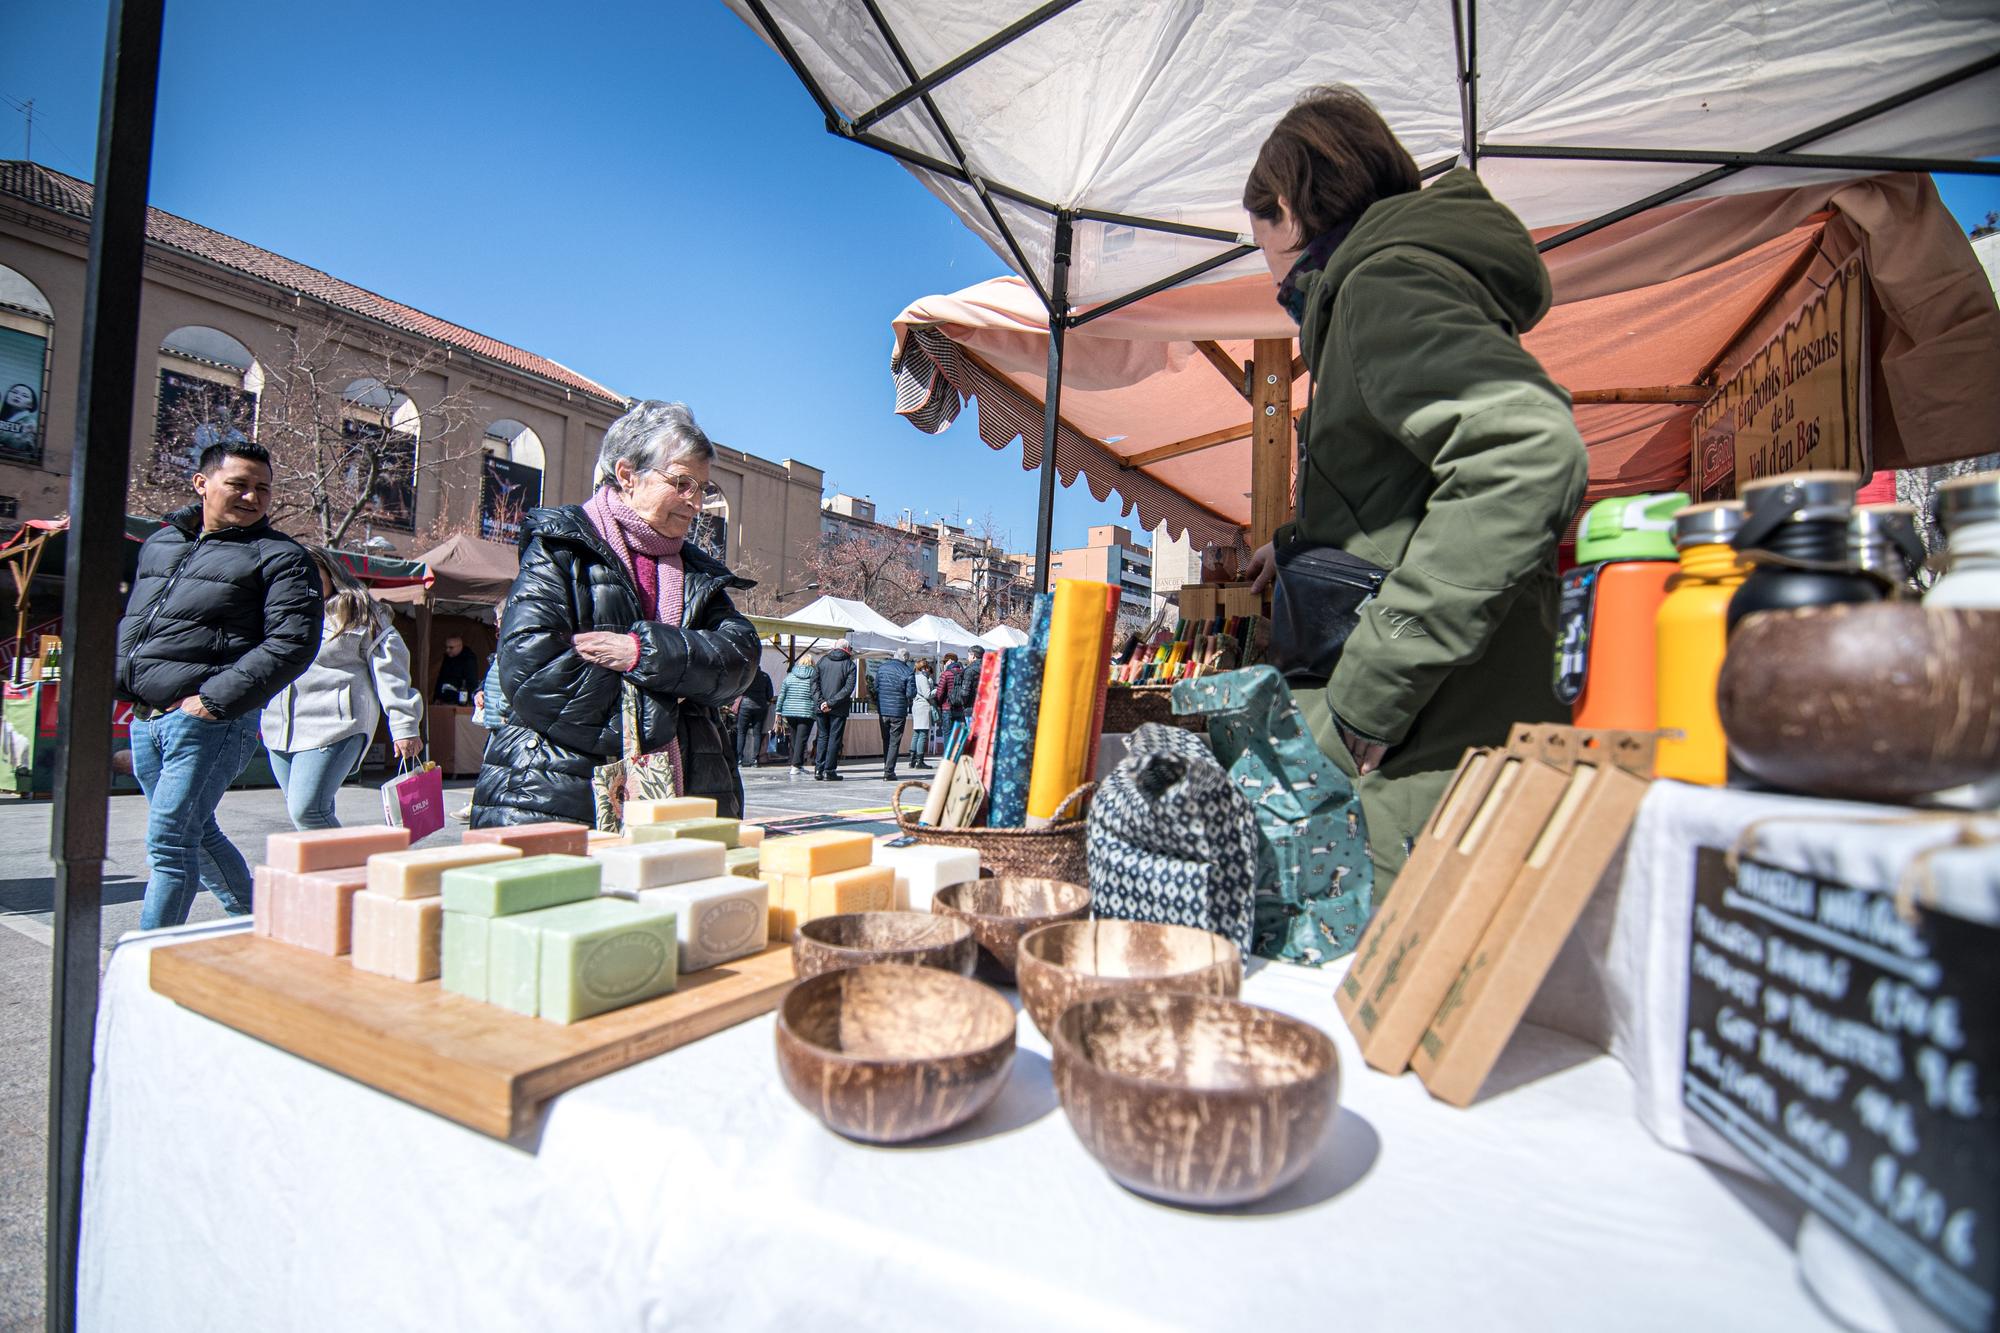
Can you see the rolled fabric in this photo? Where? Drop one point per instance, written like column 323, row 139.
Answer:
column 1020, row 711
column 940, row 788
column 985, row 720
column 1069, row 695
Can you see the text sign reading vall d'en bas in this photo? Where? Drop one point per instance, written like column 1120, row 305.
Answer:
column 1801, row 403
column 1850, row 1053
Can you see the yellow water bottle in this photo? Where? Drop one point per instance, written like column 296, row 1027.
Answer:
column 1691, row 634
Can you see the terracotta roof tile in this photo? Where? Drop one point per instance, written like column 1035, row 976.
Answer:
column 53, row 190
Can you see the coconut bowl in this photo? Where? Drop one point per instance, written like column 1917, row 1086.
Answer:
column 1000, row 911
column 888, row 1053
column 1195, row 1099
column 1061, row 964
column 1884, row 701
column 856, row 939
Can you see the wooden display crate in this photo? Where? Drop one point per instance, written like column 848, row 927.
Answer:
column 1205, row 601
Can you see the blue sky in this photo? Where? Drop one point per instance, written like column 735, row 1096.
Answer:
column 640, row 191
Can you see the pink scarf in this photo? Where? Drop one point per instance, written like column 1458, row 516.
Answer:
column 654, row 563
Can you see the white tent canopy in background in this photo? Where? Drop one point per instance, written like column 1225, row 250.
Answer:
column 1156, row 111
column 1003, row 636
column 940, row 635
column 868, row 631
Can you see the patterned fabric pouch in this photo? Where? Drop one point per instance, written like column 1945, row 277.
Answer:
column 634, row 776
column 1171, row 839
column 1315, row 882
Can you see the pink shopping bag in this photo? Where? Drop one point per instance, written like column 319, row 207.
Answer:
column 415, row 800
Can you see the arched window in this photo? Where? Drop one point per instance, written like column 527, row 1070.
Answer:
column 208, row 388
column 510, row 479
column 383, row 423
column 27, row 322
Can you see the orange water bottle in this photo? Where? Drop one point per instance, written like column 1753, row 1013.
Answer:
column 1692, row 632
column 1604, row 655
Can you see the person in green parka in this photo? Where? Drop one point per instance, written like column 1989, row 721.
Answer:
column 1434, row 445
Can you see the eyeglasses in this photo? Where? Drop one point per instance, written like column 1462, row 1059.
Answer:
column 687, row 487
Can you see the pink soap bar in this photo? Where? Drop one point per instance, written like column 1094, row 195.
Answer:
column 316, row 911
column 551, row 839
column 332, row 848
column 262, row 900
column 397, row 937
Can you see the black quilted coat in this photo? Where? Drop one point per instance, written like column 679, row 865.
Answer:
column 233, row 614
column 563, row 715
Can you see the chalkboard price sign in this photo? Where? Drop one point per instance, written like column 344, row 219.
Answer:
column 1851, row 1054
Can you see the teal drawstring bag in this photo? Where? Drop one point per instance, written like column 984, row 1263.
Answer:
column 1315, row 881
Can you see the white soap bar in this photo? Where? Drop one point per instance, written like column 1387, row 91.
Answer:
column 921, row 870
column 651, row 865
column 750, row 835
column 722, row 918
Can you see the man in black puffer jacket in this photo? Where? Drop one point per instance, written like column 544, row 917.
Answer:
column 563, row 713
column 225, row 612
column 833, row 696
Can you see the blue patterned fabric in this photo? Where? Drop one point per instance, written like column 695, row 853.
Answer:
column 1315, row 881
column 1020, row 707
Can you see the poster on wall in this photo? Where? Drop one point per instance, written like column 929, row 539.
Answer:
column 1800, row 403
column 193, row 414
column 395, row 490
column 22, row 356
column 507, row 491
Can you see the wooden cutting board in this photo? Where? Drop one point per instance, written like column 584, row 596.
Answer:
column 486, row 1067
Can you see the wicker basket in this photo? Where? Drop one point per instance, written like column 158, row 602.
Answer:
column 1126, row 707
column 1054, row 851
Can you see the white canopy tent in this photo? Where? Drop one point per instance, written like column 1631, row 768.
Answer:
column 941, row 634
column 1100, row 148
column 865, row 629
column 1003, row 636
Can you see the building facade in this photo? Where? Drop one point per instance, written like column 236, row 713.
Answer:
column 222, row 321
column 852, row 517
column 1109, row 555
column 992, row 583
column 1176, row 563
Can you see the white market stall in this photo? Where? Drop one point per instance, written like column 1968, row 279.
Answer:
column 1004, row 636
column 941, row 635
column 865, row 629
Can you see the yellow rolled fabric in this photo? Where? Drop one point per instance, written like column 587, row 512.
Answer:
column 1069, row 695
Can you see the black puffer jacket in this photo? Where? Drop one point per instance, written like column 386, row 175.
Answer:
column 233, row 615
column 563, row 714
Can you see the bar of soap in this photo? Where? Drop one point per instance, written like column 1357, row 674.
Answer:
column 709, row 829
column 262, row 902
column 419, row 873
column 598, row 838
column 862, row 889
column 750, row 835
column 746, row 861
column 819, row 853
column 397, row 937
column 502, row 888
column 668, row 810
column 784, row 915
column 514, row 962
column 553, row 838
column 331, row 848
column 462, row 956
column 603, row 955
column 315, row 911
column 921, row 870
column 649, row 865
column 719, row 919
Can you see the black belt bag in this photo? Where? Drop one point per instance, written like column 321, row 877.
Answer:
column 1315, row 605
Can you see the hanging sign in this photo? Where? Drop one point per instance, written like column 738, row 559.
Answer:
column 507, row 491
column 22, row 356
column 1800, row 403
column 1853, row 1055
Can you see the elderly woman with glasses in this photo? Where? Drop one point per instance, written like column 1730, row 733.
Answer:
column 611, row 594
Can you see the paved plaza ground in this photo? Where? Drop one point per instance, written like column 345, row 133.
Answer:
column 26, row 897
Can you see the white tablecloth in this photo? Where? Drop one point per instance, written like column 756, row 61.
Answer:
column 230, row 1185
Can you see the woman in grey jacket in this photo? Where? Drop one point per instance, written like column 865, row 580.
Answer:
column 318, row 727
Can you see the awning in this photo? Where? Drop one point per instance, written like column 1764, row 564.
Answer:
column 864, row 628
column 941, row 634
column 1003, row 636
column 471, row 572
column 786, row 627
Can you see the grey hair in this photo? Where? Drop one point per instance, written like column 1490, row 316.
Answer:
column 652, row 435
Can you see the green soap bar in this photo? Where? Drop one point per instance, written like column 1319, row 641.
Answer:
column 513, row 961
column 605, row 954
column 463, row 955
column 724, row 831
column 637, row 833
column 745, row 861
column 503, row 888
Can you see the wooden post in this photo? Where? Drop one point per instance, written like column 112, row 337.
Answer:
column 1271, row 450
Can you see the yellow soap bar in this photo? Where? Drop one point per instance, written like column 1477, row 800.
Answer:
column 669, row 809
column 861, row 889
column 784, row 916
column 417, row 873
column 397, row 937
column 750, row 835
column 819, row 853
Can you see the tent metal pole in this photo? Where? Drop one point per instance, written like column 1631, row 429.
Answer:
column 1059, row 319
column 91, row 606
column 1154, row 224
column 1437, row 168
column 1171, row 280
column 912, row 157
column 799, row 70
column 951, row 68
column 1723, row 157
column 1465, row 37
column 1820, row 131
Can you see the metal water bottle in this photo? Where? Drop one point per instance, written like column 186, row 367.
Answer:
column 1794, row 534
column 1968, row 509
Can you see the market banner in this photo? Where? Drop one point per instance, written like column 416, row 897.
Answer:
column 395, row 490
column 1801, row 403
column 507, row 491
column 22, row 357
column 194, row 413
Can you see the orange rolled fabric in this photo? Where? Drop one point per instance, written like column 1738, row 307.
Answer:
column 1069, row 695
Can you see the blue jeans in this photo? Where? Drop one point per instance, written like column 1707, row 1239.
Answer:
column 311, row 779
column 184, row 764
